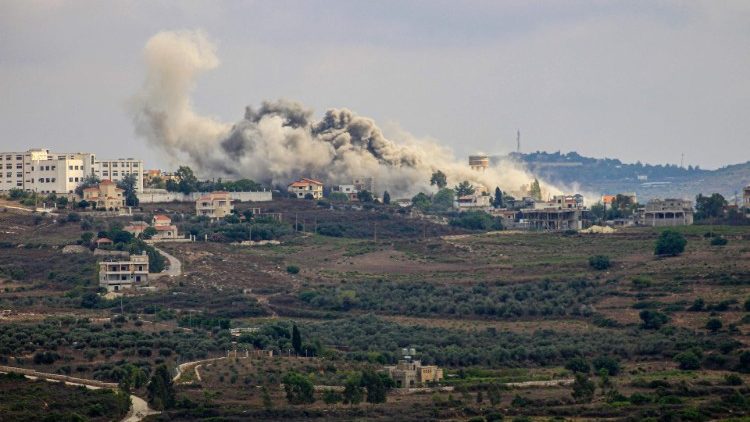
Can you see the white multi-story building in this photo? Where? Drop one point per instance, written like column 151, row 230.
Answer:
column 43, row 171
column 116, row 170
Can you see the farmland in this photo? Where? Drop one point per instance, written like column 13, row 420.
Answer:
column 490, row 308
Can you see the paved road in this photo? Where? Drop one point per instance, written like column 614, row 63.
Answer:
column 175, row 266
column 138, row 407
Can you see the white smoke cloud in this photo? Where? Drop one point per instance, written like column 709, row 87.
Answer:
column 281, row 141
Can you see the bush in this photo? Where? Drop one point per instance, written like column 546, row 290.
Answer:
column 579, row 365
column 670, row 243
column 714, row 325
column 718, row 241
column 611, row 365
column 292, row 269
column 688, row 361
column 652, row 320
column 599, row 262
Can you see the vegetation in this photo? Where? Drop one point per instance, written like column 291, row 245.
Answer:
column 599, row 262
column 670, row 243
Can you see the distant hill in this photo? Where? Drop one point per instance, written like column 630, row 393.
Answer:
column 611, row 176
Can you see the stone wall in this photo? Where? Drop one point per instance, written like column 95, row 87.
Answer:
column 150, row 196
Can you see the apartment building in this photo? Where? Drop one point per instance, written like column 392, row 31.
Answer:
column 214, row 205
column 302, row 187
column 118, row 169
column 666, row 212
column 411, row 373
column 117, row 273
column 43, row 171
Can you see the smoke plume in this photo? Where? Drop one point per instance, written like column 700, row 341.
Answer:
column 281, row 140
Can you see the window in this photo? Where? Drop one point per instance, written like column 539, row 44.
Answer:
column 8, row 157
column 19, row 183
column 78, row 168
column 9, row 174
column 114, row 173
column 76, row 179
column 19, row 157
column 105, row 173
column 69, row 168
column 114, row 164
column 19, row 174
column 70, row 179
column 135, row 165
column 47, row 180
column 105, row 164
column 19, row 166
column 9, row 166
column 53, row 167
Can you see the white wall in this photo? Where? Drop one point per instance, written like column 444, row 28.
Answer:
column 150, row 196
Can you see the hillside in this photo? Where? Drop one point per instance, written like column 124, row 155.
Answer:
column 609, row 176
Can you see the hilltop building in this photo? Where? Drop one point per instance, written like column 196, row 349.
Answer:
column 350, row 191
column 746, row 199
column 116, row 274
column 164, row 227
column 667, row 212
column 475, row 201
column 305, row 186
column 365, row 183
column 105, row 196
column 562, row 212
column 410, row 373
column 41, row 170
column 214, row 205
column 479, row 162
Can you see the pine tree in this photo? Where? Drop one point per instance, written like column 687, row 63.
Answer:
column 296, row 340
column 498, row 201
column 160, row 389
column 386, row 198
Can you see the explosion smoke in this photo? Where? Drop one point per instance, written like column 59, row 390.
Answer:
column 280, row 141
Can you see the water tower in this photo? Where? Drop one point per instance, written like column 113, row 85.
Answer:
column 479, row 162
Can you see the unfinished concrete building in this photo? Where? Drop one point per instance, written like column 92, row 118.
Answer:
column 666, row 212
column 553, row 219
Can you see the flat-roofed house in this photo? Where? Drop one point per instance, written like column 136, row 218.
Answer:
column 116, row 273
column 214, row 205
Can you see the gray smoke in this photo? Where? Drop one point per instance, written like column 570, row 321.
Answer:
column 281, row 140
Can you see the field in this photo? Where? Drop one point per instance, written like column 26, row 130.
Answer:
column 491, row 308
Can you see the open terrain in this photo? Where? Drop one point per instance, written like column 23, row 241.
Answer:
column 493, row 309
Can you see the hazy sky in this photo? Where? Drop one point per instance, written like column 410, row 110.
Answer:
column 636, row 80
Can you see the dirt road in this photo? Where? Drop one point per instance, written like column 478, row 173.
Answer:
column 138, row 407
column 175, row 266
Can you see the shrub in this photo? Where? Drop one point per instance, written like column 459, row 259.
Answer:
column 670, row 243
column 599, row 262
column 611, row 365
column 718, row 241
column 652, row 320
column 714, row 325
column 578, row 364
column 688, row 361
column 292, row 269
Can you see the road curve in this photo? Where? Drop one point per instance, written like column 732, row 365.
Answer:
column 175, row 266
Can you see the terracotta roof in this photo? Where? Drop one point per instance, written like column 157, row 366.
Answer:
column 106, row 182
column 103, row 240
column 91, row 189
column 162, row 217
column 305, row 182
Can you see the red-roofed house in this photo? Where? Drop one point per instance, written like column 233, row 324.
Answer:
column 304, row 186
column 214, row 205
column 164, row 227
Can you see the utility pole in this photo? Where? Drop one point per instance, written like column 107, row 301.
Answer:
column 375, row 232
column 518, row 141
column 295, row 221
column 682, row 161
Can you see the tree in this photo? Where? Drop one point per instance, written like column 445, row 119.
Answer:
column 714, row 325
column 86, row 237
column 160, row 389
column 443, row 200
column 421, row 201
column 128, row 184
column 353, row 391
column 688, row 361
column 87, row 182
column 375, row 385
column 670, row 243
column 464, row 188
column 480, row 397
column 296, row 339
column 364, row 196
column 438, row 179
column 187, row 180
column 583, row 389
column 338, row 197
column 578, row 365
column 386, row 198
column 497, row 202
column 535, row 191
column 652, row 320
column 709, row 206
column 493, row 393
column 331, row 396
column 148, row 233
column 610, row 364
column 698, row 305
column 299, row 389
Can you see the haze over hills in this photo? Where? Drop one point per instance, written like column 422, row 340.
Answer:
column 611, row 176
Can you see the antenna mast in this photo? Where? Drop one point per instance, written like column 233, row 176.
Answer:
column 518, row 141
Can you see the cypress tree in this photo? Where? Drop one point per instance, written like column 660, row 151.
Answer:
column 296, row 339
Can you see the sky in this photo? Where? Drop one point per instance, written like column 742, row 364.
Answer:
column 634, row 80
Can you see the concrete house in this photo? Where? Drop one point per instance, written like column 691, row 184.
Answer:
column 474, row 201
column 667, row 212
column 304, row 186
column 350, row 191
column 746, row 199
column 214, row 205
column 136, row 228
column 411, row 373
column 106, row 195
column 116, row 274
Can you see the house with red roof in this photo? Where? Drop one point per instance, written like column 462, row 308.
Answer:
column 302, row 187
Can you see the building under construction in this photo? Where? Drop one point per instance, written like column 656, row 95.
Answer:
column 479, row 162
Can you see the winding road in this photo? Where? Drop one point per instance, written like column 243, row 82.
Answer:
column 175, row 266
